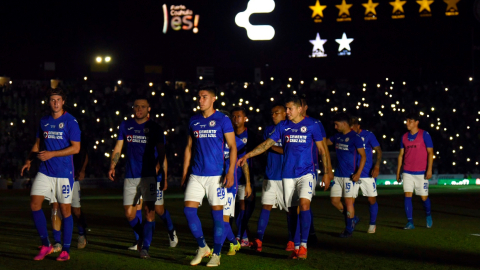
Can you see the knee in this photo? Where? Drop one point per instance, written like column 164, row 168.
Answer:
column 304, row 207
column 66, row 210
column 159, row 210
column 372, row 200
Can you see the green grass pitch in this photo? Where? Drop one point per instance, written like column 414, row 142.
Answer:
column 450, row 244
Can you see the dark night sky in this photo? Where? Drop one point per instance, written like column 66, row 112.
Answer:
column 72, row 33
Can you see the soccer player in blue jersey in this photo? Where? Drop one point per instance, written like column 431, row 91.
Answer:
column 58, row 139
column 208, row 132
column 416, row 156
column 299, row 137
column 143, row 138
column 272, row 188
column 347, row 173
column 367, row 182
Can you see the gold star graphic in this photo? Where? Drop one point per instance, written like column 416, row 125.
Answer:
column 398, row 5
column 451, row 4
column 370, row 7
column 343, row 8
column 425, row 5
column 317, row 9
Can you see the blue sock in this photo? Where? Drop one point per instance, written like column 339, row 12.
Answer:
column 195, row 225
column 137, row 227
column 57, row 236
column 41, row 224
column 262, row 223
column 249, row 208
column 427, row 206
column 67, row 233
column 229, row 233
column 350, row 225
column 238, row 222
column 373, row 213
column 305, row 220
column 218, row 235
column 138, row 214
column 409, row 208
column 148, row 229
column 168, row 222
column 312, row 228
column 295, row 225
column 289, row 227
column 81, row 224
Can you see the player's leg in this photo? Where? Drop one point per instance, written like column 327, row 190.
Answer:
column 216, row 195
column 165, row 216
column 408, row 187
column 78, row 214
column 56, row 226
column 304, row 188
column 229, row 212
column 63, row 190
column 241, row 212
column 369, row 189
column 336, row 193
column 349, row 194
column 148, row 187
column 131, row 198
column 41, row 187
column 269, row 198
column 139, row 216
column 291, row 202
column 249, row 208
column 421, row 189
column 312, row 237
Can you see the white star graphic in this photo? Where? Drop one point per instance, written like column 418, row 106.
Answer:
column 344, row 42
column 318, row 43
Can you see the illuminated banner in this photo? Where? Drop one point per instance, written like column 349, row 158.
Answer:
column 425, row 10
column 452, row 9
column 181, row 18
column 317, row 14
column 370, row 13
column 343, row 13
column 398, row 12
column 318, row 50
column 256, row 32
column 344, row 45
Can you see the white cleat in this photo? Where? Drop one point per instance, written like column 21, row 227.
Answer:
column 201, row 253
column 214, row 261
column 134, row 248
column 57, row 247
column 372, row 229
column 174, row 241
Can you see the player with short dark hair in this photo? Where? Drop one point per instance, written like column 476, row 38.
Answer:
column 416, row 156
column 348, row 145
column 143, row 138
column 208, row 132
column 58, row 139
column 298, row 135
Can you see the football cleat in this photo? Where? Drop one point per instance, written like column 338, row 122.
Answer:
column 409, row 226
column 429, row 222
column 290, row 246
column 174, row 241
column 64, row 256
column 346, row 234
column 214, row 260
column 144, row 254
column 201, row 253
column 244, row 242
column 134, row 247
column 302, row 253
column 57, row 247
column 234, row 248
column 372, row 228
column 294, row 254
column 257, row 245
column 82, row 241
column 44, row 251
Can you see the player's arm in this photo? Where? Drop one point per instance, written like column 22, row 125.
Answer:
column 428, row 176
column 328, row 175
column 81, row 173
column 117, row 151
column 186, row 159
column 277, row 149
column 327, row 153
column 31, row 156
column 399, row 164
column 257, row 151
column 248, row 187
column 73, row 149
column 376, row 168
column 363, row 160
column 328, row 142
column 230, row 138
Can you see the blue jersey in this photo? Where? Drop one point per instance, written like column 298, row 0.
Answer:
column 242, row 152
column 346, row 146
column 240, row 147
column 298, row 142
column 54, row 135
column 142, row 140
column 370, row 142
column 274, row 159
column 208, row 142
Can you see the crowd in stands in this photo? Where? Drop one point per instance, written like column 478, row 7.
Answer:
column 449, row 114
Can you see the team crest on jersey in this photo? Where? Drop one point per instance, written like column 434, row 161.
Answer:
column 287, row 138
column 146, row 130
column 195, row 133
column 129, row 138
column 347, row 139
column 244, row 140
column 303, row 129
column 212, row 123
column 45, row 134
column 60, row 125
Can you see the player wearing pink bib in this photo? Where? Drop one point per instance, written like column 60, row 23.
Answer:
column 416, row 156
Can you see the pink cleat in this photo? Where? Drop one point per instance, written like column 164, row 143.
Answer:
column 44, row 251
column 64, row 256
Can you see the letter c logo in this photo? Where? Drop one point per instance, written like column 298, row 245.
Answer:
column 256, row 32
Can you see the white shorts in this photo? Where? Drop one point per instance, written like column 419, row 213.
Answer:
column 415, row 182
column 344, row 187
column 52, row 188
column 272, row 193
column 199, row 186
column 296, row 188
column 76, row 195
column 229, row 208
column 133, row 188
column 160, row 193
column 368, row 187
column 241, row 192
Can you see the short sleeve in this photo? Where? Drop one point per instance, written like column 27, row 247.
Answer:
column 74, row 131
column 358, row 142
column 427, row 139
column 372, row 140
column 317, row 132
column 277, row 132
column 226, row 125
column 401, row 144
column 332, row 139
column 121, row 131
column 322, row 129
